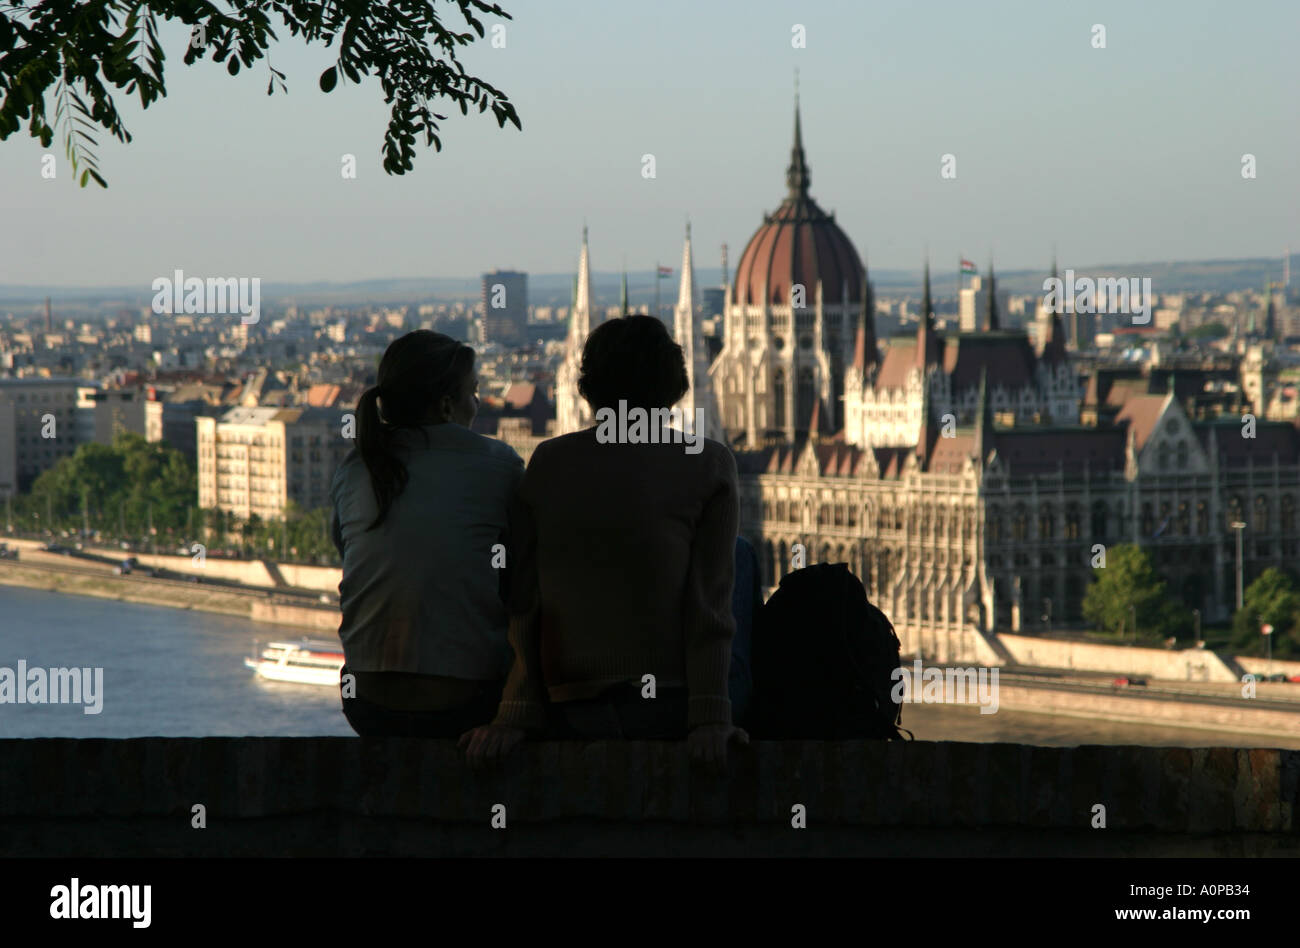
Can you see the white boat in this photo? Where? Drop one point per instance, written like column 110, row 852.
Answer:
column 306, row 662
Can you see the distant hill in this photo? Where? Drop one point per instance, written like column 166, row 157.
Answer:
column 555, row 289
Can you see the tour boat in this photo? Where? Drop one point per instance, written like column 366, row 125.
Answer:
column 306, row 662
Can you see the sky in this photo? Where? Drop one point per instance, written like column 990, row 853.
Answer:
column 1131, row 153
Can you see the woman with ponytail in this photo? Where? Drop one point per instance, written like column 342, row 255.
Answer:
column 421, row 521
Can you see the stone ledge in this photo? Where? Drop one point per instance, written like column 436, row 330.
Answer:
column 282, row 796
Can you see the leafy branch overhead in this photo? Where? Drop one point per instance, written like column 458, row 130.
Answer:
column 79, row 52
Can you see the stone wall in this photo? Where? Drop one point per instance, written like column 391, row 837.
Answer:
column 1177, row 665
column 348, row 796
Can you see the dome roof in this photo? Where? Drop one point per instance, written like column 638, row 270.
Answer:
column 798, row 243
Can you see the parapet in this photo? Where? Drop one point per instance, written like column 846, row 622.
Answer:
column 407, row 797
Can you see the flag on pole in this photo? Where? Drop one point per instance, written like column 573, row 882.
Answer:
column 967, row 266
column 665, row 271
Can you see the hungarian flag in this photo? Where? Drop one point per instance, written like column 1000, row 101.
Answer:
column 665, row 271
column 967, row 266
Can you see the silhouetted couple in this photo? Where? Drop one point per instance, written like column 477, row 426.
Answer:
column 606, row 568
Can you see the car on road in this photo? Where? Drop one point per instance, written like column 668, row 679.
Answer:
column 1129, row 682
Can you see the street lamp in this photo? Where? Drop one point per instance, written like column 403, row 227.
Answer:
column 1238, row 526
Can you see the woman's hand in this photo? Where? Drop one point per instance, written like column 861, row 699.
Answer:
column 708, row 744
column 489, row 743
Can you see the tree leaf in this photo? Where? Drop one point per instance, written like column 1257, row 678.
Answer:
column 328, row 79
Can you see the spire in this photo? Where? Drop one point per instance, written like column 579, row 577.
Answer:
column 686, row 290
column 580, row 320
column 622, row 298
column 1270, row 314
column 927, row 341
column 796, row 176
column 865, row 353
column 1054, row 351
column 991, row 317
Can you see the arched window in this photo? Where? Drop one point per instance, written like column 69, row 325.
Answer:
column 806, row 398
column 1072, row 517
column 783, row 560
column 1261, row 514
column 1020, row 523
column 1202, row 518
column 1046, row 523
column 778, row 398
column 839, row 515
column 823, row 514
column 1234, row 509
column 1099, row 520
column 780, row 510
column 824, row 553
column 966, row 522
column 940, row 523
column 1183, row 527
column 1287, row 519
column 993, row 526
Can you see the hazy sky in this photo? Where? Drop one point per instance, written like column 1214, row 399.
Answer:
column 1124, row 154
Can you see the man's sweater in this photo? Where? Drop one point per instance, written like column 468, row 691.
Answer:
column 625, row 558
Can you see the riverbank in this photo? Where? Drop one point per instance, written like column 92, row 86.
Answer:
column 31, row 573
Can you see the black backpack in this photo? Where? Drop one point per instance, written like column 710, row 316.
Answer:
column 823, row 661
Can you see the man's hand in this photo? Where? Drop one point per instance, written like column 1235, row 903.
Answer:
column 708, row 744
column 489, row 743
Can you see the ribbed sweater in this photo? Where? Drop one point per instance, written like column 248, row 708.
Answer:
column 625, row 563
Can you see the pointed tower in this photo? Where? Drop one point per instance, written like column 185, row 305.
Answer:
column 622, row 297
column 1054, row 352
column 1270, row 314
column 572, row 413
column 927, row 337
column 698, row 405
column 991, row 321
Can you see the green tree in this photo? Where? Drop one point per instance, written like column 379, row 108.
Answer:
column 1208, row 331
column 75, row 51
column 1127, row 588
column 1272, row 599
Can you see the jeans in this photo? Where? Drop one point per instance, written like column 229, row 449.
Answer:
column 620, row 713
column 374, row 720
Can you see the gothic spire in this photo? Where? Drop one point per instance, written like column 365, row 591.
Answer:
column 927, row 340
column 991, row 316
column 796, row 176
column 622, row 298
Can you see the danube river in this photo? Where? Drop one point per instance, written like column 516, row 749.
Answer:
column 176, row 673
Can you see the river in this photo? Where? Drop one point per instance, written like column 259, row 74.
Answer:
column 176, row 673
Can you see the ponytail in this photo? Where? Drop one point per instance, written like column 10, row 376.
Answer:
column 417, row 370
